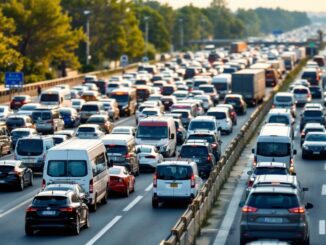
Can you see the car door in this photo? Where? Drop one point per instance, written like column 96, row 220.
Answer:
column 182, row 182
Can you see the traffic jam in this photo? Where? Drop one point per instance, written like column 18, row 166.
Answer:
column 73, row 141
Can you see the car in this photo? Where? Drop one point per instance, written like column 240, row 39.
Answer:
column 238, row 103
column 148, row 157
column 103, row 121
column 19, row 100
column 129, row 130
column 68, row 132
column 168, row 101
column 121, row 180
column 18, row 133
column 90, row 108
column 58, row 139
column 47, row 120
column 69, row 116
column 18, row 121
column 311, row 127
column 199, row 151
column 316, row 92
column 67, row 211
column 314, row 145
column 186, row 116
column 5, row 111
column 89, row 131
column 111, row 107
column 175, row 180
column 301, row 95
column 203, row 123
column 211, row 91
column 206, row 100
column 15, row 174
column 312, row 115
column 232, row 112
column 64, row 186
column 77, row 104
column 148, row 112
column 285, row 100
column 28, row 109
column 223, row 119
column 275, row 209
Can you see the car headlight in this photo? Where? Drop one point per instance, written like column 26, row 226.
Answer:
column 305, row 147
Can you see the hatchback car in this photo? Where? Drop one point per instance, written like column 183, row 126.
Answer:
column 232, row 112
column 19, row 100
column 56, row 209
column 103, row 121
column 62, row 186
column 89, row 131
column 314, row 145
column 121, row 180
column 18, row 121
column 223, row 119
column 28, row 109
column 301, row 94
column 312, row 116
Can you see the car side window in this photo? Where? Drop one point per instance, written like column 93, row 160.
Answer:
column 74, row 198
column 100, row 163
column 48, row 144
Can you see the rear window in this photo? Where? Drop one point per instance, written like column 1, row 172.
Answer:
column 41, row 115
column 49, row 98
column 279, row 119
column 207, row 89
column 273, row 201
column 195, row 125
column 6, row 169
column 313, row 113
column 30, row 147
column 300, row 91
column 217, row 115
column 120, row 149
column 16, row 134
column 86, row 130
column 96, row 120
column 12, row 121
column 50, row 201
column 306, row 75
column 19, row 98
column 89, row 108
column 270, row 170
column 283, row 99
column 71, row 168
column 316, row 137
column 190, row 151
column 207, row 137
column 174, row 172
column 233, row 100
column 273, row 149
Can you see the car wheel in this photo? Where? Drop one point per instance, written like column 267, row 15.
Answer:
column 243, row 241
column 127, row 193
column 87, row 224
column 105, row 198
column 76, row 229
column 29, row 231
column 133, row 187
column 155, row 203
column 304, row 156
column 93, row 207
column 21, row 185
column 235, row 122
column 31, row 180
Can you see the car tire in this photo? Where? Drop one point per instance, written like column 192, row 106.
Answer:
column 29, row 231
column 21, row 185
column 133, row 188
column 105, row 198
column 93, row 207
column 243, row 241
column 155, row 203
column 87, row 223
column 31, row 180
column 304, row 156
column 127, row 193
column 76, row 229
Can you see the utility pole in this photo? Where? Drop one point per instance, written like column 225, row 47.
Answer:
column 181, row 34
column 87, row 13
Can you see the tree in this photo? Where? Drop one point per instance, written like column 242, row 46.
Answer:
column 45, row 33
column 250, row 20
column 10, row 59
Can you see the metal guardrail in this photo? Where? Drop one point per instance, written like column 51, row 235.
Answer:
column 186, row 229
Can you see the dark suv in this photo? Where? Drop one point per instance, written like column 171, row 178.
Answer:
column 312, row 115
column 199, row 151
column 275, row 209
column 56, row 209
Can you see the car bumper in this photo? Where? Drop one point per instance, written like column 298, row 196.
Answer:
column 121, row 188
column 40, row 224
column 312, row 153
column 173, row 198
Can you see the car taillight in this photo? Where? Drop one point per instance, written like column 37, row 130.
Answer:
column 303, row 134
column 214, row 145
column 127, row 156
column 291, row 162
column 67, row 209
column 251, row 182
column 50, row 121
column 232, row 113
column 255, row 161
column 248, row 209
column 91, row 186
column 151, row 157
column 31, row 209
column 155, row 180
column 209, row 158
column 43, row 184
column 193, row 182
column 17, row 173
column 297, row 210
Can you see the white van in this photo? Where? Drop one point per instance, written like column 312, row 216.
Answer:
column 222, row 84
column 160, row 132
column 55, row 97
column 283, row 116
column 285, row 100
column 274, row 144
column 79, row 161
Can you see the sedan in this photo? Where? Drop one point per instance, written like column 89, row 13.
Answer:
column 121, row 180
column 89, row 131
column 314, row 145
column 148, row 157
column 130, row 130
column 28, row 109
column 14, row 173
column 103, row 121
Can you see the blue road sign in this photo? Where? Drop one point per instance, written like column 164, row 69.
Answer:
column 145, row 59
column 14, row 79
column 124, row 61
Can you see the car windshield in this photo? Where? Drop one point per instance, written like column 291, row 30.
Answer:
column 19, row 134
column 114, row 170
column 300, row 91
column 207, row 137
column 96, row 120
column 15, row 121
column 316, row 137
column 71, row 168
column 120, row 149
column 49, row 98
column 193, row 151
column 27, row 107
column 123, row 98
column 50, row 201
column 270, row 170
column 173, row 172
column 273, row 201
column 39, row 115
column 152, row 132
column 143, row 149
column 76, row 102
column 279, row 119
column 218, row 115
column 195, row 125
column 89, row 108
column 312, row 113
column 19, row 98
column 207, row 89
column 30, row 147
column 86, row 130
column 283, row 99
column 273, row 149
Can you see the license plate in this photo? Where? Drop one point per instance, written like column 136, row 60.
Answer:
column 49, row 213
column 174, row 185
column 273, row 220
column 316, row 153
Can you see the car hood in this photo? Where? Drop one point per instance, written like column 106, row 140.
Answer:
column 314, row 143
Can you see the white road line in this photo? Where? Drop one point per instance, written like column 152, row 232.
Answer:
column 123, row 120
column 104, row 230
column 325, row 166
column 323, row 190
column 149, row 188
column 226, row 225
column 133, row 203
column 322, row 227
column 14, row 208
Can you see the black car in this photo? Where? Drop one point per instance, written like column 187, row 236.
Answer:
column 76, row 188
column 312, row 115
column 13, row 173
column 314, row 145
column 311, row 127
column 316, row 92
column 200, row 152
column 56, row 210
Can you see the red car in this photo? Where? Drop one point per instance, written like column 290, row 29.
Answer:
column 121, row 180
column 19, row 100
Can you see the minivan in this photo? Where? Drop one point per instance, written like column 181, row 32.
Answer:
column 126, row 99
column 83, row 162
column 222, row 84
column 90, row 108
column 32, row 151
column 121, row 150
column 47, row 120
column 285, row 100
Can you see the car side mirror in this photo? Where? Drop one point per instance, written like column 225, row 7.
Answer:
column 253, row 151
column 241, row 204
column 249, row 172
column 294, row 152
column 309, row 205
column 172, row 136
column 138, row 151
column 305, row 189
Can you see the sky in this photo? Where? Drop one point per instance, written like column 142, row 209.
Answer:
column 300, row 5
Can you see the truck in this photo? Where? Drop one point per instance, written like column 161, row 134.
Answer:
column 290, row 59
column 238, row 47
column 271, row 75
column 250, row 83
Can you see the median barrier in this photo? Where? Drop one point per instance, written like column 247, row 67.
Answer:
column 188, row 226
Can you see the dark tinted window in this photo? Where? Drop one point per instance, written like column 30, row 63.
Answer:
column 198, row 83
column 6, row 169
column 155, row 132
column 232, row 100
column 89, row 108
column 19, row 134
column 30, row 147
column 273, row 149
column 194, row 125
column 279, row 119
column 207, row 137
column 316, row 137
column 123, row 98
column 86, row 130
column 96, row 120
column 218, row 115
column 65, row 112
column 273, row 201
column 190, row 151
column 50, row 201
column 41, row 115
column 49, row 97
column 72, row 168
column 315, row 89
column 283, row 99
column 57, row 140
column 312, row 113
column 306, row 75
column 120, row 149
column 173, row 172
column 19, row 98
column 270, row 170
column 15, row 121
column 314, row 130
column 221, row 86
column 300, row 91
column 207, row 89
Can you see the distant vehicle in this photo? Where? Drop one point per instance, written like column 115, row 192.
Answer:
column 55, row 97
column 19, row 100
column 301, row 94
column 237, row 101
column 18, row 133
column 148, row 157
column 18, row 121
column 222, row 84
column 285, row 100
column 69, row 116
column 311, row 127
column 314, row 145
column 5, row 111
column 28, row 109
column 89, row 131
column 47, row 120
column 127, row 130
column 103, row 121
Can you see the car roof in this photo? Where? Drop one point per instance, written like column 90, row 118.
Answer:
column 271, row 164
column 176, row 162
column 204, row 118
column 195, row 143
column 273, row 189
column 9, row 162
column 314, row 125
column 53, row 193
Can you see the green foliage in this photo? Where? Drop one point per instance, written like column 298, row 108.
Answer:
column 251, row 21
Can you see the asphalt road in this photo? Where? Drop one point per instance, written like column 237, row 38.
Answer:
column 311, row 174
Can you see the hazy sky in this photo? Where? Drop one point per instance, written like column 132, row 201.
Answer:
column 302, row 5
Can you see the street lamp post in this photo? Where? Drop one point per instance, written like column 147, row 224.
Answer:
column 146, row 34
column 87, row 13
column 181, row 33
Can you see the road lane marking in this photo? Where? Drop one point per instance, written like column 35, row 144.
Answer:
column 123, row 120
column 296, row 131
column 104, row 230
column 325, row 166
column 133, row 203
column 322, row 227
column 323, row 190
column 14, row 208
column 149, row 188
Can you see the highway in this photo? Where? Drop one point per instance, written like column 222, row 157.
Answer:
column 122, row 221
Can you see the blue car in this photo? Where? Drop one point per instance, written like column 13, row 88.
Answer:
column 70, row 117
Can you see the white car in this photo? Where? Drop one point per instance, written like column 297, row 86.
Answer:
column 301, row 94
column 28, row 109
column 77, row 103
column 130, row 130
column 5, row 111
column 223, row 120
column 147, row 112
column 203, row 123
column 175, row 180
column 89, row 131
column 206, row 99
column 148, row 156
